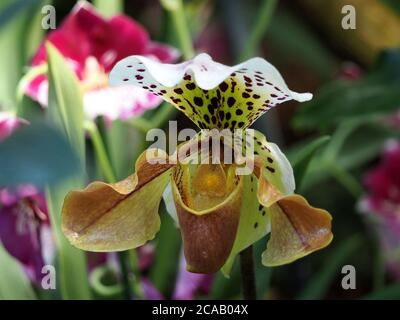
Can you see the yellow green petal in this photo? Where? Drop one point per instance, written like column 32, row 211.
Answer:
column 120, row 216
column 253, row 225
column 297, row 229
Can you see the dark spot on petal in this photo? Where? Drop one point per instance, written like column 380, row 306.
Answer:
column 178, row 90
column 198, row 101
column 223, row 86
column 190, row 86
column 247, row 79
column 270, row 169
column 231, row 101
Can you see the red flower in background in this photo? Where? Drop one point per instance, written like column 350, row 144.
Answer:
column 382, row 203
column 25, row 231
column 92, row 45
column 383, row 184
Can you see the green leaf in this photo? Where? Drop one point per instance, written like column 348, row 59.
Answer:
column 36, row 154
column 166, row 264
column 292, row 41
column 321, row 281
column 390, row 292
column 72, row 276
column 13, row 282
column 301, row 157
column 66, row 111
column 375, row 95
column 20, row 32
column 14, row 8
column 348, row 150
column 65, row 100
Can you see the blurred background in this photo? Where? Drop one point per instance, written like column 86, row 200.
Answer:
column 57, row 133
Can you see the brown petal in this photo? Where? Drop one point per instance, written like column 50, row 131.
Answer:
column 297, row 229
column 114, row 217
column 208, row 235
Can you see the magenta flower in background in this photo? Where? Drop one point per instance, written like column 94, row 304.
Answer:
column 382, row 203
column 8, row 124
column 24, row 225
column 92, row 45
column 24, row 228
column 189, row 284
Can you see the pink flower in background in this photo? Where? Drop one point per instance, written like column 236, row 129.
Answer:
column 92, row 45
column 382, row 203
column 188, row 284
column 24, row 228
column 8, row 124
column 350, row 71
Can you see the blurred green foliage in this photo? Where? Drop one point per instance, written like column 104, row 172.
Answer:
column 376, row 94
column 36, row 154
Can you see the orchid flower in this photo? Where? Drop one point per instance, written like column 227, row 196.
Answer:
column 92, row 45
column 220, row 212
column 25, row 230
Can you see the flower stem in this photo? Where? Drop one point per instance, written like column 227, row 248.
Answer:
column 125, row 276
column 100, row 151
column 248, row 276
column 108, row 172
column 177, row 12
column 260, row 27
